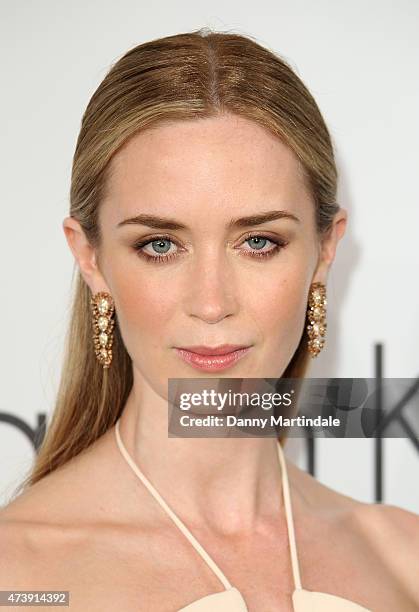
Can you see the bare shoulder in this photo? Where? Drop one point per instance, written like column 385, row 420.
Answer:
column 42, row 524
column 389, row 535
column 19, row 563
column 394, row 532
column 392, row 519
column 31, row 548
column 11, row 554
column 380, row 540
column 70, row 531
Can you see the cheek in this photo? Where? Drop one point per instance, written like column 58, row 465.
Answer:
column 279, row 306
column 143, row 305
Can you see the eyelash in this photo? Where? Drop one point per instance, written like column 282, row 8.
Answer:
column 279, row 245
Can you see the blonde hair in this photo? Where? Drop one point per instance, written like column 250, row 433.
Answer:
column 187, row 76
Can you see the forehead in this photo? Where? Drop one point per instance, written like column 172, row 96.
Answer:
column 226, row 163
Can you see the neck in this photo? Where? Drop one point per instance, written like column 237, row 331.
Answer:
column 232, row 485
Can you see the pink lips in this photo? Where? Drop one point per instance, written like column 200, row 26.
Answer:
column 212, row 358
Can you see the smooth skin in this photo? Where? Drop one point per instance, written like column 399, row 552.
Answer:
column 91, row 527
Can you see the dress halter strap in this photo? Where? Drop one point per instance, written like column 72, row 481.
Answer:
column 290, row 520
column 210, row 562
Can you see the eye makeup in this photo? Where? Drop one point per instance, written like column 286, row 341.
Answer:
column 278, row 245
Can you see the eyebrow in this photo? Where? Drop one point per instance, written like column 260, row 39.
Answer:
column 171, row 224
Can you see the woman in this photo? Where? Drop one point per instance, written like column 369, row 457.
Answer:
column 203, row 212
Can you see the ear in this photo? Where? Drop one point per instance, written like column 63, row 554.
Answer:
column 85, row 255
column 328, row 246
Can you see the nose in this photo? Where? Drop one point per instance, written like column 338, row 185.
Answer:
column 210, row 287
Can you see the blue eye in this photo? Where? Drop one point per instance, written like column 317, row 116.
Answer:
column 257, row 240
column 161, row 249
column 157, row 244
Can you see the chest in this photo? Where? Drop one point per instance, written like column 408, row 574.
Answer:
column 161, row 571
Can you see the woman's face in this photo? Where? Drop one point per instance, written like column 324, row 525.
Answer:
column 217, row 278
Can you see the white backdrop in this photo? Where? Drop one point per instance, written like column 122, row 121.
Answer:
column 359, row 60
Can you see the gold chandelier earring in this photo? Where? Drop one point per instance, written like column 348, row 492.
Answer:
column 103, row 308
column 316, row 316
